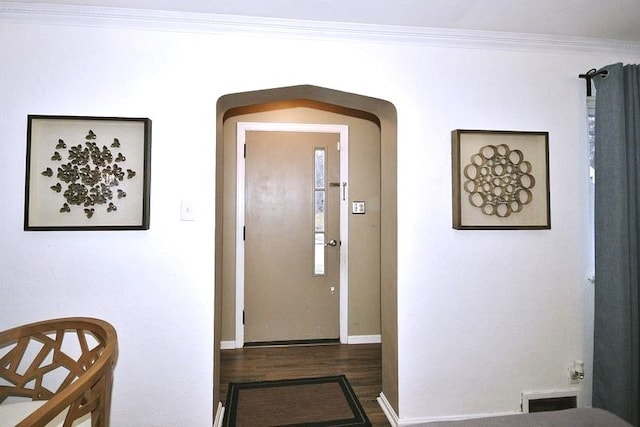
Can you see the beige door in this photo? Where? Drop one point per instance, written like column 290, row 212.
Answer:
column 292, row 276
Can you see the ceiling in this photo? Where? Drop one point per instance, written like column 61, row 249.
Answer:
column 611, row 19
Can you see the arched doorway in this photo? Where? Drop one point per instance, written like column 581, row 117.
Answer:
column 376, row 110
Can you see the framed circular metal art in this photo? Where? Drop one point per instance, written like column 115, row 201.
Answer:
column 500, row 180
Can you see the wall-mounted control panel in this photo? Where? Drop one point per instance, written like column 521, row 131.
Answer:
column 358, row 207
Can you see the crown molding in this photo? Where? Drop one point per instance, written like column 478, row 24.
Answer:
column 171, row 21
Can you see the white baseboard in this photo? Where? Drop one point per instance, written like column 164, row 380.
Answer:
column 389, row 412
column 422, row 421
column 364, row 339
column 394, row 420
column 217, row 421
column 227, row 345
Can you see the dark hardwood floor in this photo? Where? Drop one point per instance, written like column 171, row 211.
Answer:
column 361, row 363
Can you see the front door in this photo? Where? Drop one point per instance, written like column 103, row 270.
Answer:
column 292, row 236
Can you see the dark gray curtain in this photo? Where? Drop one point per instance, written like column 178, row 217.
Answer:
column 617, row 232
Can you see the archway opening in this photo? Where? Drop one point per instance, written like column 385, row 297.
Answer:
column 375, row 110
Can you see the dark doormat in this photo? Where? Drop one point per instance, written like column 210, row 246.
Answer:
column 324, row 401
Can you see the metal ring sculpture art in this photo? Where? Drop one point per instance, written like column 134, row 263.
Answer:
column 499, row 180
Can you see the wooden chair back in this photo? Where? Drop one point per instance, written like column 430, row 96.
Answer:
column 67, row 362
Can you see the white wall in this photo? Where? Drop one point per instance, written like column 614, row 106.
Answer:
column 483, row 315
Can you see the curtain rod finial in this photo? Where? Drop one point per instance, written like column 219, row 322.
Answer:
column 589, row 75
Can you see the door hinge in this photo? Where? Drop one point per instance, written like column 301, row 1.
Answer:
column 244, row 233
column 338, row 146
column 245, row 150
column 243, row 317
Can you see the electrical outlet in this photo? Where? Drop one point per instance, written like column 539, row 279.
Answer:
column 573, row 379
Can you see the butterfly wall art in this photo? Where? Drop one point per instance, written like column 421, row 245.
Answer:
column 87, row 173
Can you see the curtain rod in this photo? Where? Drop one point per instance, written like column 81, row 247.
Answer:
column 589, row 75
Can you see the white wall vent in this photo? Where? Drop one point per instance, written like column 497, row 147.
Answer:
column 541, row 401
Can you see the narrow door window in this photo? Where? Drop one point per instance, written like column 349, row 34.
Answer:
column 319, row 208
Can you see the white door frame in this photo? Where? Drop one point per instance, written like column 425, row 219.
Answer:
column 343, row 131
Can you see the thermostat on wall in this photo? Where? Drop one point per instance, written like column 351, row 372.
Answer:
column 358, row 207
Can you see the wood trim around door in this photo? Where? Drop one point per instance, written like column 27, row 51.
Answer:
column 343, row 131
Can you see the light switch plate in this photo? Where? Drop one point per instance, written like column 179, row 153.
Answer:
column 187, row 211
column 358, row 207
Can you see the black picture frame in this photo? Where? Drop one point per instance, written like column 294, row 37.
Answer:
column 500, row 180
column 87, row 173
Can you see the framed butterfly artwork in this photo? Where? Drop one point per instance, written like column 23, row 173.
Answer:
column 87, row 173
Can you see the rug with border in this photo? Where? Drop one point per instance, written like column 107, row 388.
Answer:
column 320, row 401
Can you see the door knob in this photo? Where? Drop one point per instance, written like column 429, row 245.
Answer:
column 331, row 242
